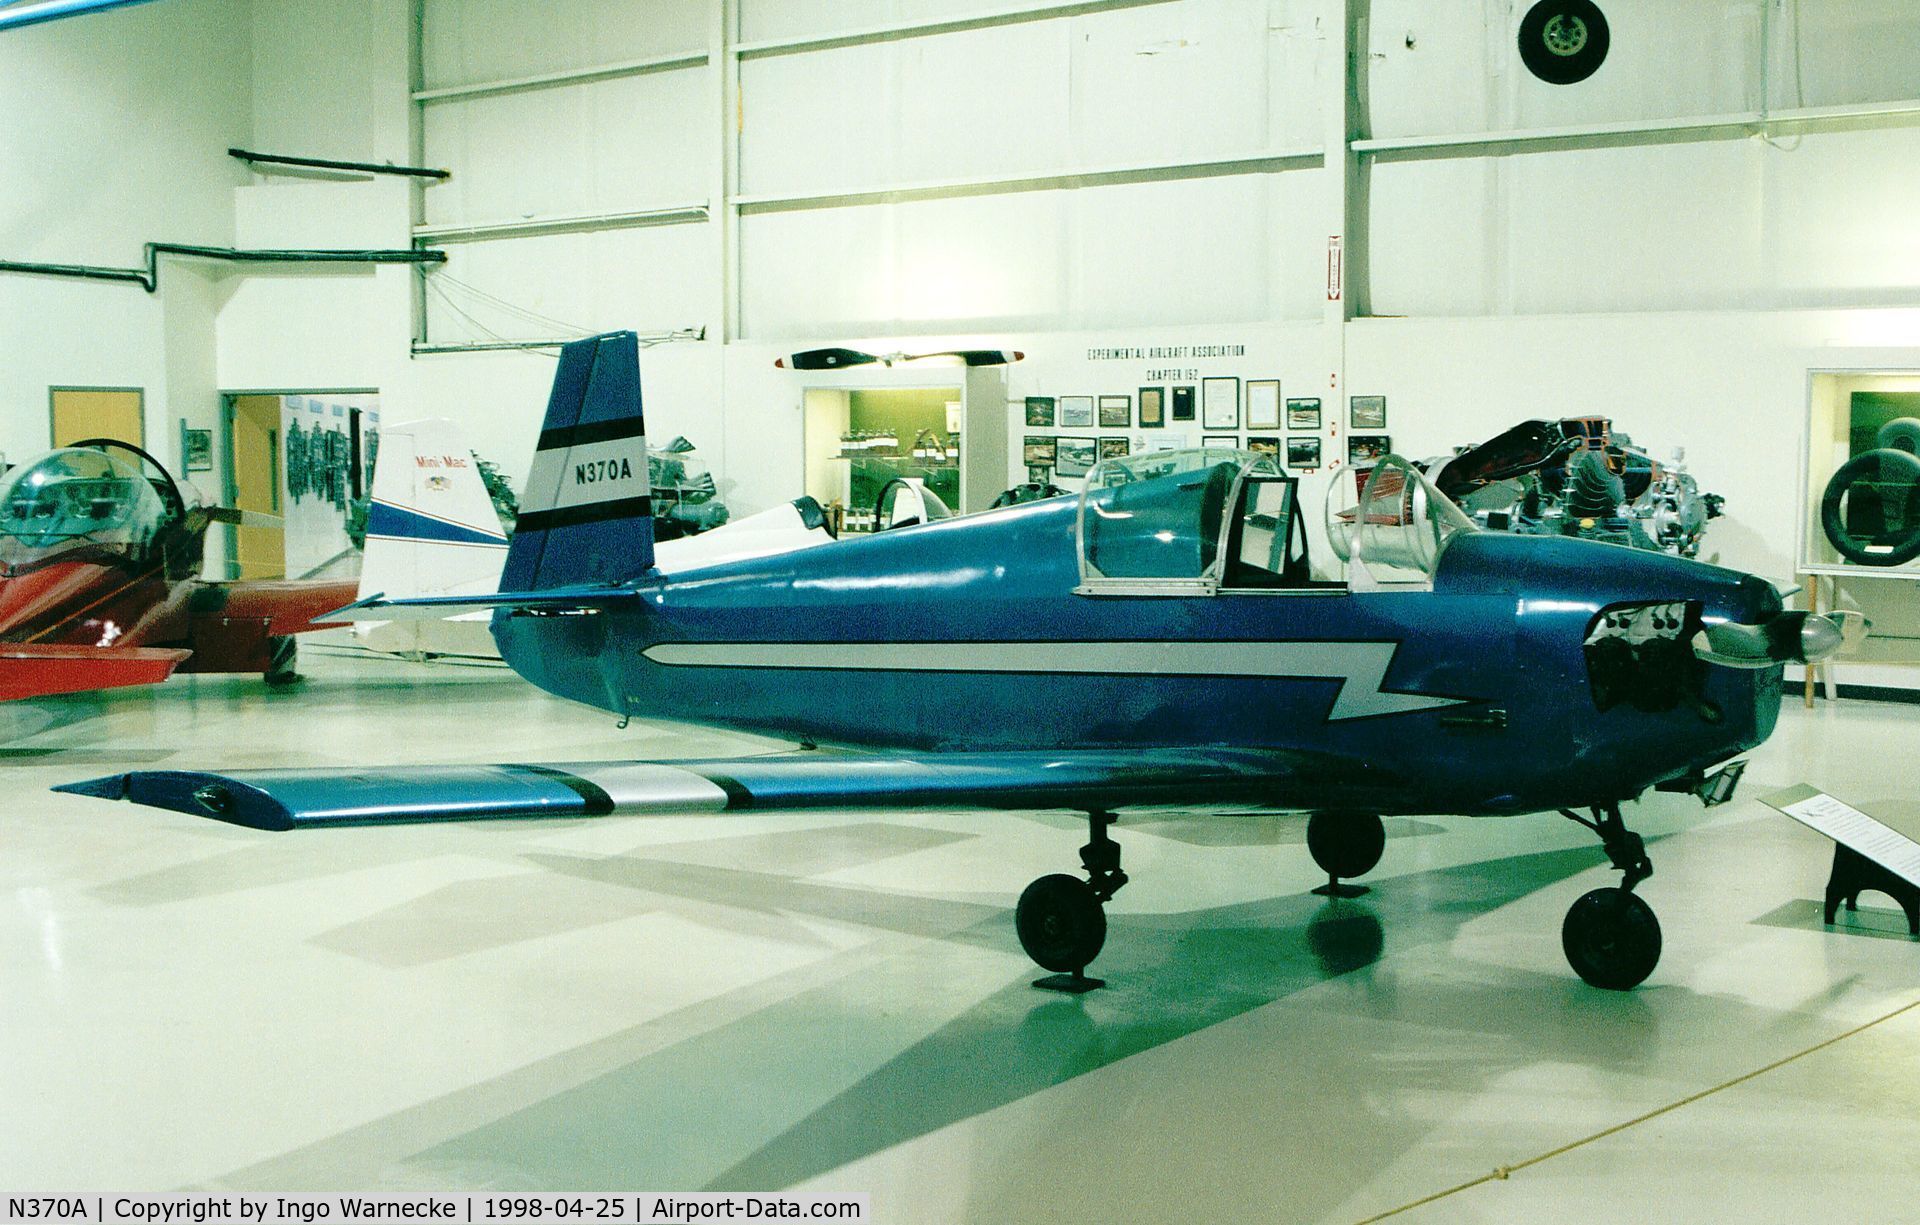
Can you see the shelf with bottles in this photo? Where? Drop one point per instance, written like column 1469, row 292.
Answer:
column 928, row 449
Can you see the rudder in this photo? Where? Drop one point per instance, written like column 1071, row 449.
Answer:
column 586, row 515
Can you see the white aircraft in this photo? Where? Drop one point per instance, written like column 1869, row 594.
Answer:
column 432, row 530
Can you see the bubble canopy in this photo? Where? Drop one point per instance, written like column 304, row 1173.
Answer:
column 76, row 497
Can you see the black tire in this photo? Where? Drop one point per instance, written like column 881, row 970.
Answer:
column 1346, row 844
column 1060, row 922
column 1899, row 434
column 1612, row 939
column 1563, row 42
column 1872, row 464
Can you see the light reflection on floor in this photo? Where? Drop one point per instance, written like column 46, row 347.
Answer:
column 837, row 1000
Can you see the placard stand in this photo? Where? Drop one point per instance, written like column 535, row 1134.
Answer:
column 1854, row 872
column 1867, row 854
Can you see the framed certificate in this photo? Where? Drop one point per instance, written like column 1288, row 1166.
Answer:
column 1153, row 412
column 1263, row 404
column 1220, row 440
column 1220, row 403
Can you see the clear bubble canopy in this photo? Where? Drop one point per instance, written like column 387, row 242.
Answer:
column 75, row 496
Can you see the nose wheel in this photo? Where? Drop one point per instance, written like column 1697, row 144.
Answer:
column 1345, row 844
column 1060, row 919
column 1611, row 936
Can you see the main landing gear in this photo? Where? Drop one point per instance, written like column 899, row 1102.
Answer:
column 1611, row 937
column 1060, row 918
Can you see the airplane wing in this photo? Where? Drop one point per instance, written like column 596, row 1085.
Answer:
column 32, row 670
column 551, row 599
column 293, row 799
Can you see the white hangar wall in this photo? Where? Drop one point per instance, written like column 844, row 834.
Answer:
column 783, row 173
column 112, row 135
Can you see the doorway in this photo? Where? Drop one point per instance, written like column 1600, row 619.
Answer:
column 253, row 483
column 97, row 412
column 857, row 440
column 305, row 457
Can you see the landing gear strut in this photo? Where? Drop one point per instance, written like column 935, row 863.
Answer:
column 1611, row 937
column 1059, row 918
column 1345, row 844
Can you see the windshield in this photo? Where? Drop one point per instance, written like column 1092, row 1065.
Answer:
column 1159, row 518
column 1393, row 534
column 75, row 497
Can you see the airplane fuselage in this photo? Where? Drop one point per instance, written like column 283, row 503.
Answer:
column 969, row 635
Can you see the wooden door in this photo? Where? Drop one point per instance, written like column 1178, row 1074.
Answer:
column 98, row 412
column 253, row 458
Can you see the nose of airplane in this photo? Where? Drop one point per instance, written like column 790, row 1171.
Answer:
column 1784, row 638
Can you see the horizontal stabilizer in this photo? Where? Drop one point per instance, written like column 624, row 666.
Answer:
column 291, row 799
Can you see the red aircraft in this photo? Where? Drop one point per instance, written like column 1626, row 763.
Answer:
column 99, row 581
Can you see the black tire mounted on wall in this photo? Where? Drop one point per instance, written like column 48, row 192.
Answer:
column 1563, row 42
column 1872, row 464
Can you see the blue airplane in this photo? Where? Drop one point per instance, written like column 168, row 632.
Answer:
column 1158, row 639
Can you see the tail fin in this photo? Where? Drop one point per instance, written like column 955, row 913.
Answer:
column 587, row 513
column 431, row 528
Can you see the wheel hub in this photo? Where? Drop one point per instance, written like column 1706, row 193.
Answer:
column 1565, row 34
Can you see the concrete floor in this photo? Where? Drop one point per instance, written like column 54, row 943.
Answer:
column 837, row 1002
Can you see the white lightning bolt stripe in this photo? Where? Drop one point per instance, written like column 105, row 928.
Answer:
column 1360, row 666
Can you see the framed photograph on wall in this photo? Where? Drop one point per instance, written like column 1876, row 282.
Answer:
column 1220, row 440
column 1116, row 412
column 1076, row 412
column 1040, row 412
column 197, row 450
column 1039, row 452
column 1115, row 448
column 1303, row 414
column 1153, row 408
column 1263, row 404
column 1366, row 448
column 1075, row 455
column 1040, row 476
column 1220, row 402
column 1303, row 453
column 1264, row 444
column 1183, row 403
column 1367, row 413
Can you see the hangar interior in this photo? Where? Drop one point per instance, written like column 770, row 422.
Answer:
column 1370, row 210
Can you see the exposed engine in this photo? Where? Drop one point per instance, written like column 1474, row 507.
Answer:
column 686, row 501
column 1578, row 477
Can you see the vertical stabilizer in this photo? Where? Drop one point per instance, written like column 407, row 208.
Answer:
column 431, row 526
column 586, row 515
